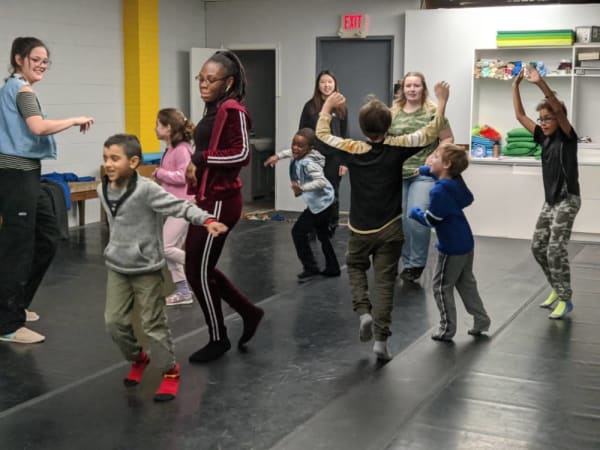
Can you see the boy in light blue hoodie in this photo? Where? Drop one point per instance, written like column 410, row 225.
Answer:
column 454, row 267
column 136, row 207
column 308, row 180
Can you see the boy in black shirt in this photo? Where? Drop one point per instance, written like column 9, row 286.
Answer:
column 561, row 189
column 375, row 169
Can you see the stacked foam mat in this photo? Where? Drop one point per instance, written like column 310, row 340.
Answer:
column 534, row 38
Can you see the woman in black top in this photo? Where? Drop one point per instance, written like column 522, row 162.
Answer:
column 325, row 85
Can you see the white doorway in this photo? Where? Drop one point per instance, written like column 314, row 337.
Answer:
column 260, row 63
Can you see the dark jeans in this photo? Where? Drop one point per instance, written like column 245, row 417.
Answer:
column 306, row 224
column 28, row 240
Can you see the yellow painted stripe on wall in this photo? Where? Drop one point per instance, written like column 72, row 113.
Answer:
column 142, row 83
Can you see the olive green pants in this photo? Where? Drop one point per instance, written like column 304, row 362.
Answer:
column 145, row 290
column 384, row 249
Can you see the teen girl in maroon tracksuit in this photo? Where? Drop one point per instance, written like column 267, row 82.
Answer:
column 222, row 149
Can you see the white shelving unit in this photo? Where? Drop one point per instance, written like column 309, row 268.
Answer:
column 491, row 99
column 509, row 191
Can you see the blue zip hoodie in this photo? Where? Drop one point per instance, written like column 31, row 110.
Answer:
column 447, row 198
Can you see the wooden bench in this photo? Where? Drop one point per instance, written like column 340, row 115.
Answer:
column 80, row 192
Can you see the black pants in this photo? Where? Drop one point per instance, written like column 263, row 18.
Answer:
column 319, row 223
column 332, row 173
column 28, row 240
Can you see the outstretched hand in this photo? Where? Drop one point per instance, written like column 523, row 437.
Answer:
column 519, row 78
column 533, row 76
column 271, row 161
column 83, row 122
column 334, row 101
column 442, row 91
column 216, row 228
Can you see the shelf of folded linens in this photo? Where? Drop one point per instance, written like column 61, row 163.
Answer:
column 588, row 154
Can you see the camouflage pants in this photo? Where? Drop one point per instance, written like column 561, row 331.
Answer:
column 550, row 240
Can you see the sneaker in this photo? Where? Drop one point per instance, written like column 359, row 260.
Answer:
column 178, row 298
column 381, row 351
column 411, row 273
column 331, row 273
column 211, row 351
column 561, row 310
column 307, row 275
column 30, row 316
column 250, row 325
column 168, row 386
column 134, row 376
column 365, row 330
column 23, row 336
column 442, row 337
column 480, row 328
column 550, row 300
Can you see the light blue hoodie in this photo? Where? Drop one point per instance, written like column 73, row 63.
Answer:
column 317, row 191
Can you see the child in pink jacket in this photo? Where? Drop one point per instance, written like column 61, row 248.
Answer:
column 177, row 131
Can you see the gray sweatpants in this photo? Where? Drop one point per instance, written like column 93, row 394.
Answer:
column 146, row 290
column 456, row 271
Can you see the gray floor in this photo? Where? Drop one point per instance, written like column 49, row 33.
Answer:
column 306, row 381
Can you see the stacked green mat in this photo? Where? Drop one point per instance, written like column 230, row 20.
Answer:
column 537, row 38
column 519, row 142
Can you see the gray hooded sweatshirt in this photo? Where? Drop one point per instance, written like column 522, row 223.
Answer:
column 136, row 221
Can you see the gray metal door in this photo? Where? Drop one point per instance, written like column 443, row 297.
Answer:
column 362, row 67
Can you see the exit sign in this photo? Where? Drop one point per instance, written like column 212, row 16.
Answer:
column 354, row 26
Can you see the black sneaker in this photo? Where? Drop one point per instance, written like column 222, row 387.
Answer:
column 211, row 351
column 307, row 275
column 330, row 273
column 411, row 273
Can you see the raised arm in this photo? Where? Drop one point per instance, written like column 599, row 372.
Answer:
column 323, row 130
column 518, row 103
column 442, row 93
column 535, row 78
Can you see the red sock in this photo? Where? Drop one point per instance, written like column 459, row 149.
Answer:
column 137, row 370
column 169, row 386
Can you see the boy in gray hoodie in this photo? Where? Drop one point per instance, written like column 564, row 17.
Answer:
column 136, row 207
column 308, row 180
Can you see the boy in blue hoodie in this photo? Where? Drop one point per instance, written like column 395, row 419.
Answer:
column 308, row 180
column 454, row 267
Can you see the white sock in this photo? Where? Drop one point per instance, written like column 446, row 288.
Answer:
column 365, row 331
column 381, row 351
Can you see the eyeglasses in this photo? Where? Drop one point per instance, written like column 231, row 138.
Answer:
column 200, row 79
column 541, row 120
column 40, row 61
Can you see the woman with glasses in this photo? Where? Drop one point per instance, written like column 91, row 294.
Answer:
column 561, row 190
column 413, row 109
column 28, row 228
column 222, row 148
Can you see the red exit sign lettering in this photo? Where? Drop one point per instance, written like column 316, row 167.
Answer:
column 354, row 26
column 352, row 21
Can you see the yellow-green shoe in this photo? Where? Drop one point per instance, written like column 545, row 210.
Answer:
column 550, row 300
column 561, row 310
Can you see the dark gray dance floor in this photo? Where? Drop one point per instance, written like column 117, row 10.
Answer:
column 306, row 382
